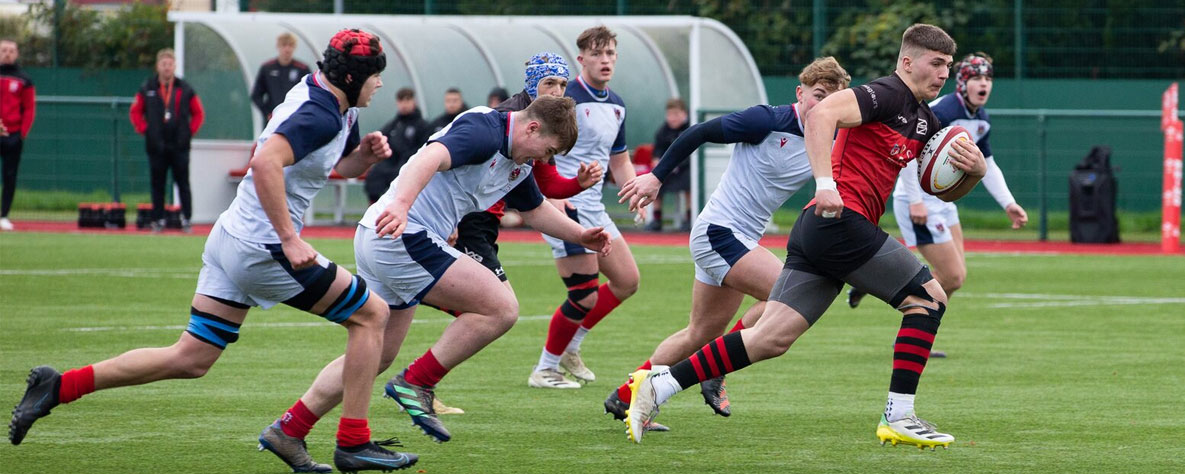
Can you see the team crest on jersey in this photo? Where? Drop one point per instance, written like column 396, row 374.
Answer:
column 923, row 127
column 783, row 143
column 981, row 129
column 617, row 112
column 515, row 172
column 896, row 150
column 940, row 227
column 587, row 111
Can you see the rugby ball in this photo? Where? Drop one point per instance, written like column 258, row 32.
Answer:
column 936, row 173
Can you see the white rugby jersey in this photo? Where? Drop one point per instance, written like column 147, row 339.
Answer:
column 950, row 110
column 320, row 136
column 768, row 165
column 600, row 116
column 481, row 173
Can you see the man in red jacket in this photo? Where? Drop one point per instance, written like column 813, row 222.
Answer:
column 17, row 108
column 168, row 113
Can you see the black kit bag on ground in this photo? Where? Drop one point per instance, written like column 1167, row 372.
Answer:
column 1092, row 199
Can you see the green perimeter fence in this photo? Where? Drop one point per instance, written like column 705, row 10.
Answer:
column 84, row 149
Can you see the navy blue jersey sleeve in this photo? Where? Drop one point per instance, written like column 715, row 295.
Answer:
column 352, row 141
column 312, row 126
column 711, row 131
column 525, row 196
column 751, row 125
column 984, row 146
column 879, row 100
column 472, row 138
column 619, row 142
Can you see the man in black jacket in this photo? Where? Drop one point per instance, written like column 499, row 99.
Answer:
column 454, row 104
column 168, row 113
column 277, row 76
column 679, row 181
column 405, row 134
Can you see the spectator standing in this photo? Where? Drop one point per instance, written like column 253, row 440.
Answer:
column 277, row 76
column 168, row 113
column 679, row 181
column 405, row 134
column 496, row 96
column 454, row 104
column 17, row 109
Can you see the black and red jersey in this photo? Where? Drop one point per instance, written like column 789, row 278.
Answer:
column 866, row 160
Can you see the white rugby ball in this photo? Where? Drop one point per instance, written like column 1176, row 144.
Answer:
column 936, row 173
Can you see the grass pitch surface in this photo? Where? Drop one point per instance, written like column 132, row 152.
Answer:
column 1057, row 364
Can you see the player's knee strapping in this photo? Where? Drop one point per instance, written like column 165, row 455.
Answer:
column 315, row 288
column 348, row 301
column 580, row 285
column 915, row 287
column 211, row 329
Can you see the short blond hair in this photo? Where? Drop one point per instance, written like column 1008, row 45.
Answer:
column 286, row 38
column 826, row 72
column 166, row 53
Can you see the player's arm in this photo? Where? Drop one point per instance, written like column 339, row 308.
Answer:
column 267, row 170
column 993, row 180
column 372, row 149
column 555, row 186
column 967, row 157
column 547, row 219
column 838, row 110
column 413, row 177
column 913, row 192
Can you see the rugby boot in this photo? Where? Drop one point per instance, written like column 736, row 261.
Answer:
column 442, row 409
column 292, row 451
column 417, row 402
column 41, row 395
column 373, row 457
column 614, row 406
column 643, row 405
column 550, row 378
column 571, row 362
column 715, row 395
column 854, row 297
column 912, row 430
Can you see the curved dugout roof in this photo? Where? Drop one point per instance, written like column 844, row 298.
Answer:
column 698, row 59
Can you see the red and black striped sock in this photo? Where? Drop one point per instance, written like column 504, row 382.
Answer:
column 726, row 354
column 912, row 349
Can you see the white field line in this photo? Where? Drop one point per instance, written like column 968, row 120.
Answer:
column 302, row 324
column 1039, row 300
column 191, row 274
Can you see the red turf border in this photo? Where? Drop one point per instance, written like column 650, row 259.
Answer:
column 641, row 238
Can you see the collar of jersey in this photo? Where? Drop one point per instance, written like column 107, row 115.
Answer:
column 599, row 96
column 318, row 82
column 507, row 142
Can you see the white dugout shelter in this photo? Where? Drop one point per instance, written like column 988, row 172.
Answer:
column 659, row 57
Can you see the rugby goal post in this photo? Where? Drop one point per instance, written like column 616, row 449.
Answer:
column 1170, row 124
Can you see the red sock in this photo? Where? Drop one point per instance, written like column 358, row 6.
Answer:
column 560, row 332
column 352, row 432
column 606, row 301
column 623, row 392
column 425, row 371
column 298, row 420
column 740, row 325
column 76, row 383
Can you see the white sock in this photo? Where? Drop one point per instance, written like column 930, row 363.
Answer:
column 574, row 345
column 899, row 406
column 548, row 360
column 665, row 385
